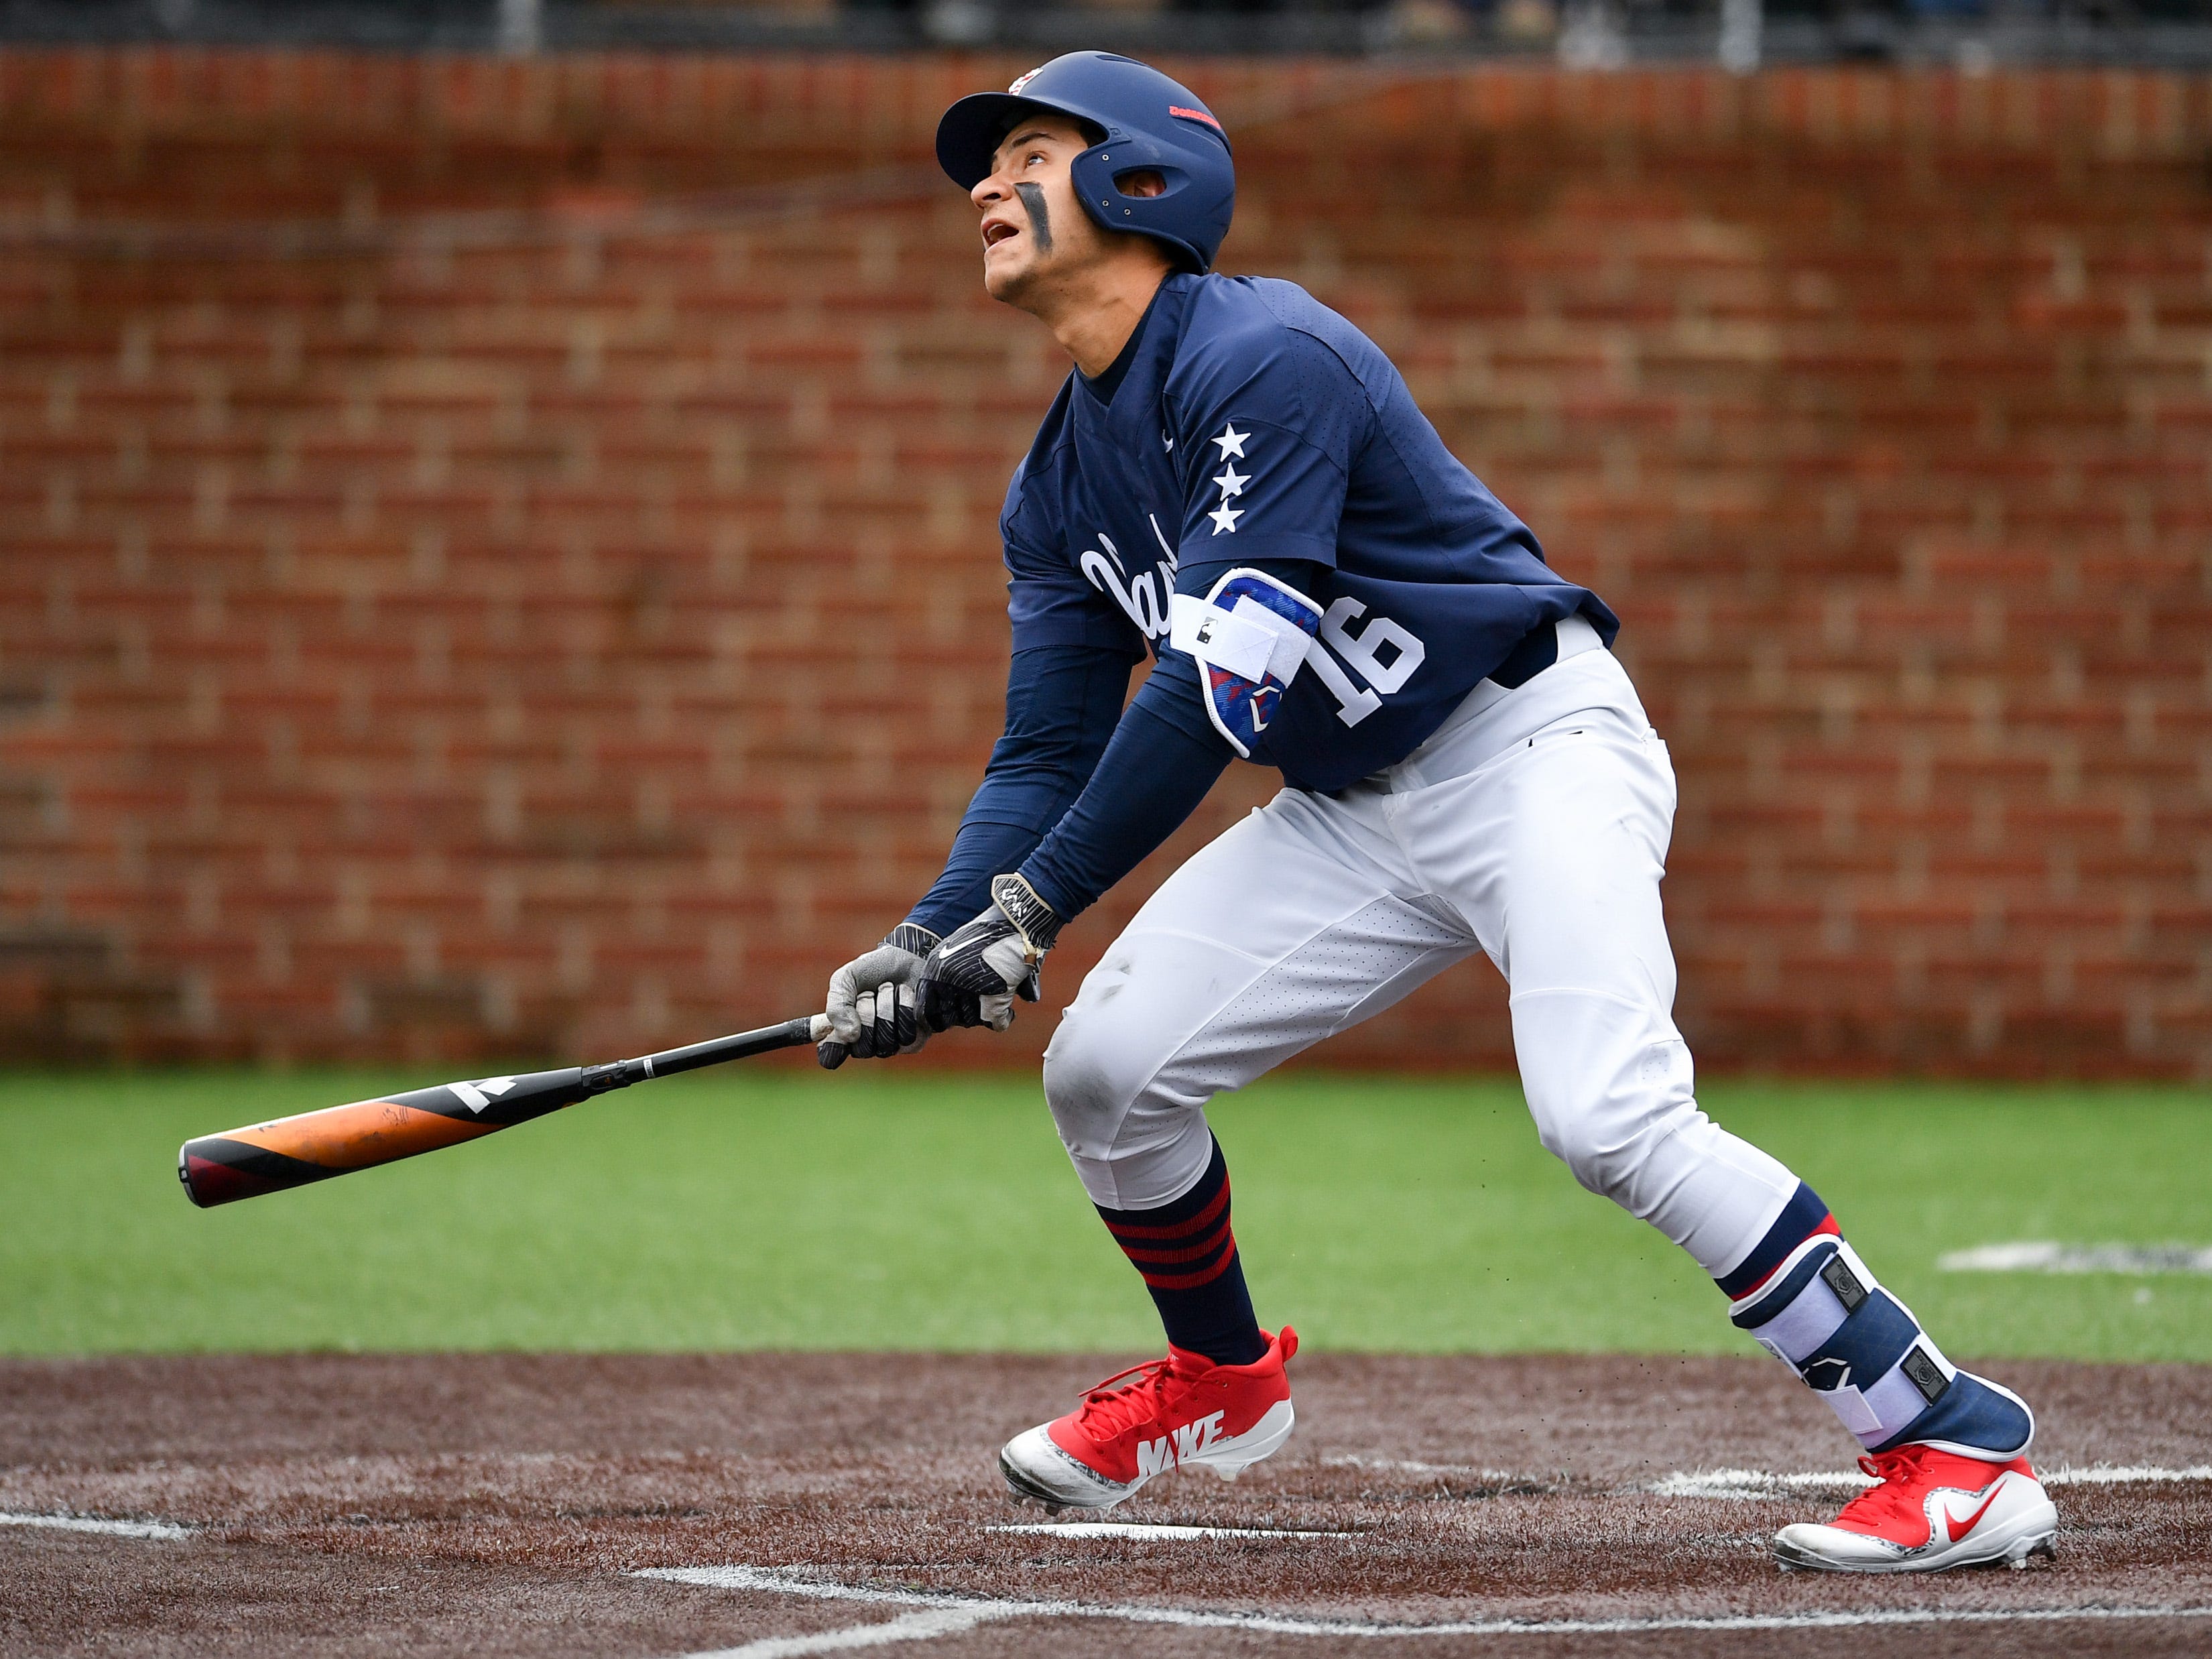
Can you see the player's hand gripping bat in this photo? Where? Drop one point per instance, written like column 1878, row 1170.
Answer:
column 267, row 1157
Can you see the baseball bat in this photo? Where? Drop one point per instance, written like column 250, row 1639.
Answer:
column 267, row 1158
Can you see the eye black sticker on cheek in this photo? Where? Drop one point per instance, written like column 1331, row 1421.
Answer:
column 1040, row 217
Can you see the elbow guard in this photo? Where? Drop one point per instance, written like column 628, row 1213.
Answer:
column 1248, row 637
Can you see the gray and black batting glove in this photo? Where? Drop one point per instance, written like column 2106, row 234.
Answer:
column 874, row 1003
column 973, row 978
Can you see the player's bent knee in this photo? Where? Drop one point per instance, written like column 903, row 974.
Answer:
column 1094, row 1069
column 1134, row 1143
column 1607, row 1083
column 1606, row 1167
column 1603, row 1108
column 1608, row 1137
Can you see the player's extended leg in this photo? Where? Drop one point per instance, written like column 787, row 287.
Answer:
column 1285, row 929
column 1555, row 851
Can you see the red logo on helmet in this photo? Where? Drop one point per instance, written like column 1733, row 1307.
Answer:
column 1021, row 81
column 1196, row 115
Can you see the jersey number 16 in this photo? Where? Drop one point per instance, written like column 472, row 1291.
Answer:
column 1363, row 651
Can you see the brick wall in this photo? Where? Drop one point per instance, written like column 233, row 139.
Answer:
column 498, row 558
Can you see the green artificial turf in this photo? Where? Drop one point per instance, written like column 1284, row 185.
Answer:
column 790, row 1209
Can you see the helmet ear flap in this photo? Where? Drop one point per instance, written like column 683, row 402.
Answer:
column 1097, row 175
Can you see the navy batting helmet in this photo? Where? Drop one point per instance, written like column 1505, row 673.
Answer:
column 1149, row 123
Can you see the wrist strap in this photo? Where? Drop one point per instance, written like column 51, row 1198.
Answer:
column 1032, row 917
column 908, row 937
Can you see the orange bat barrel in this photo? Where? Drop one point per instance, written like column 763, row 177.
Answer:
column 267, row 1158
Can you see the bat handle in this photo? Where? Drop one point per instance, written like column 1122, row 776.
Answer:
column 620, row 1073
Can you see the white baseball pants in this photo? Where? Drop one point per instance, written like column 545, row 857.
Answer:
column 1534, row 827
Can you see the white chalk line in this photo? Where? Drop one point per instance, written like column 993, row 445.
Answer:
column 93, row 1523
column 1754, row 1486
column 2048, row 1256
column 800, row 1582
column 1406, row 1466
column 2102, row 1474
column 1155, row 1529
column 913, row 1627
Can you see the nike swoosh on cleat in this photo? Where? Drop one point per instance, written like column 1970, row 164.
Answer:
column 1958, row 1528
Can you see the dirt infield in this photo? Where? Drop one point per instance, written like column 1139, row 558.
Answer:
column 332, row 1505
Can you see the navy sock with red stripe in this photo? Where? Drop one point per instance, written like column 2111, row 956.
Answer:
column 1187, row 1256
column 1804, row 1215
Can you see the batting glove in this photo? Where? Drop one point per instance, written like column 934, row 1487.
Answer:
column 973, row 978
column 874, row 1004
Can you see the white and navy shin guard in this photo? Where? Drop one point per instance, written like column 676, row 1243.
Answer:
column 1818, row 1310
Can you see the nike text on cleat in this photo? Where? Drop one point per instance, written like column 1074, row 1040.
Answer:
column 1929, row 1510
column 1183, row 1411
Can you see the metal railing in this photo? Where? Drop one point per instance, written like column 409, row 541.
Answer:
column 1740, row 34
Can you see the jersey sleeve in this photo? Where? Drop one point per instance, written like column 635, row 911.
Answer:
column 1154, row 772
column 1269, row 420
column 1062, row 705
column 1049, row 602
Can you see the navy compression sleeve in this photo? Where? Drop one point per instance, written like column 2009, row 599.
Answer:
column 1165, row 756
column 1152, row 777
column 1061, row 703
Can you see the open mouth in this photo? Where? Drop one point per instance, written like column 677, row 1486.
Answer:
column 996, row 231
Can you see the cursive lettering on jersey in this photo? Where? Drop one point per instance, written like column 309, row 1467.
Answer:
column 1143, row 597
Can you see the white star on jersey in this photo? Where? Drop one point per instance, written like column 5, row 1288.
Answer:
column 1228, row 481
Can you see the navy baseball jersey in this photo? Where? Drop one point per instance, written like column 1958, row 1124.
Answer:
column 1248, row 425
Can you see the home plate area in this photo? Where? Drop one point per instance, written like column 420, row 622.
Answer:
column 783, row 1505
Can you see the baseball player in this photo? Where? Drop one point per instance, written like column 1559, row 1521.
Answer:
column 1235, row 480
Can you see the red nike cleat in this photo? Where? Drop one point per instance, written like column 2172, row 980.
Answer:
column 1929, row 1510
column 1178, row 1413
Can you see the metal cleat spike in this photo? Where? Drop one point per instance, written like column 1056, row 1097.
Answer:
column 2021, row 1554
